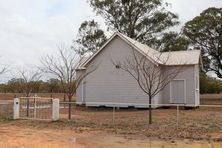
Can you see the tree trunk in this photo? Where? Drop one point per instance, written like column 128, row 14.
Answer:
column 64, row 100
column 27, row 107
column 70, row 107
column 150, row 110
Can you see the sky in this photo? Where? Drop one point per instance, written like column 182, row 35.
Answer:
column 31, row 29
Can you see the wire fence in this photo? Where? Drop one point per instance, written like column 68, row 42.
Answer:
column 6, row 109
column 35, row 108
column 201, row 121
column 168, row 120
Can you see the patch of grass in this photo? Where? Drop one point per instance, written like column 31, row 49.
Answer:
column 193, row 124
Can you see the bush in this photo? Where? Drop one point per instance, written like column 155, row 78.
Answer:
column 209, row 84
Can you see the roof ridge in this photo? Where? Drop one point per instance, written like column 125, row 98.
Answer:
column 182, row 51
column 134, row 40
column 142, row 48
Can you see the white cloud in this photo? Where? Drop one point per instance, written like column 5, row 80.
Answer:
column 30, row 29
column 188, row 9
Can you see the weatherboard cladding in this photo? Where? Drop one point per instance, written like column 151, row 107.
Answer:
column 110, row 85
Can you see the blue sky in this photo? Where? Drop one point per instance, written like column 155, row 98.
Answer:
column 30, row 29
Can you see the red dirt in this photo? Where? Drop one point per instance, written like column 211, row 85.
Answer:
column 13, row 136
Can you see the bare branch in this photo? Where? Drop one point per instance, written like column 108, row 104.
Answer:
column 151, row 77
column 66, row 66
column 3, row 70
column 27, row 79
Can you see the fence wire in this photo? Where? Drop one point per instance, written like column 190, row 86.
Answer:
column 35, row 108
column 6, row 109
column 166, row 119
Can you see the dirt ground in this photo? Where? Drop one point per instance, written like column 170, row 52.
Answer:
column 103, row 127
column 13, row 136
column 194, row 124
column 203, row 123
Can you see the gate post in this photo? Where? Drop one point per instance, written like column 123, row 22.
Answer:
column 55, row 109
column 16, row 108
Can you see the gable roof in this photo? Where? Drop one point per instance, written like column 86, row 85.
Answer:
column 190, row 57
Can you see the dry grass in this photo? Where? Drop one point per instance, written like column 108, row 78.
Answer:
column 199, row 124
column 211, row 99
column 6, row 111
column 196, row 124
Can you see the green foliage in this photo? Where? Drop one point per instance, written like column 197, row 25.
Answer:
column 143, row 20
column 209, row 84
column 15, row 86
column 205, row 32
column 53, row 85
column 173, row 41
column 90, row 38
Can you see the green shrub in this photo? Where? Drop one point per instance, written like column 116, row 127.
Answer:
column 209, row 84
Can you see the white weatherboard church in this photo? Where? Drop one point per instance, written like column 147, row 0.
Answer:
column 109, row 86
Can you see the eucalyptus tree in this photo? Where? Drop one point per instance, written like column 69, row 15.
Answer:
column 89, row 38
column 205, row 32
column 143, row 20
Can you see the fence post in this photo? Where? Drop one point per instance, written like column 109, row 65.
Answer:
column 64, row 100
column 34, row 107
column 16, row 108
column 113, row 115
column 177, row 117
column 55, row 109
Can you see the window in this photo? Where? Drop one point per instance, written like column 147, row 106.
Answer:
column 117, row 66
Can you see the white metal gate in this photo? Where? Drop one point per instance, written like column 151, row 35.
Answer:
column 36, row 108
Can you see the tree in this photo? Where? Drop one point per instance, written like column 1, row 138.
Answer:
column 90, row 38
column 53, row 85
column 37, row 86
column 26, row 83
column 63, row 66
column 151, row 77
column 173, row 41
column 14, row 85
column 205, row 32
column 4, row 88
column 143, row 20
column 209, row 84
column 27, row 79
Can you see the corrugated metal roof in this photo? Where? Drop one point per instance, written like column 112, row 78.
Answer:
column 190, row 57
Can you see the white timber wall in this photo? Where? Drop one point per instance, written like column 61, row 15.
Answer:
column 108, row 85
column 188, row 74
